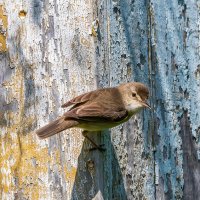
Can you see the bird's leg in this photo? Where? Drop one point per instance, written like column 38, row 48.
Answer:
column 96, row 146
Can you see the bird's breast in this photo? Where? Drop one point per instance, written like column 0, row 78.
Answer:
column 97, row 126
column 94, row 126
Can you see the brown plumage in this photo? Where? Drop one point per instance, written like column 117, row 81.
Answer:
column 55, row 126
column 100, row 109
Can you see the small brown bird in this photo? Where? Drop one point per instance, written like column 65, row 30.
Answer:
column 100, row 109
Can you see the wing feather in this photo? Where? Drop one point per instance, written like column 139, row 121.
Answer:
column 83, row 98
column 100, row 105
column 96, row 113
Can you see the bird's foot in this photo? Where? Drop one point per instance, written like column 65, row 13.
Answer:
column 96, row 146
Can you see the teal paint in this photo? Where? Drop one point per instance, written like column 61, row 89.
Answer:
column 175, row 43
column 156, row 42
column 123, row 49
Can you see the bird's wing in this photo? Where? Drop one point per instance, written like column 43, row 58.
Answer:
column 103, row 105
column 106, row 106
column 97, row 112
column 82, row 98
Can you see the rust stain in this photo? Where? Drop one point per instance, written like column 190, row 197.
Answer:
column 15, row 85
column 9, row 156
column 25, row 162
column 70, row 173
column 34, row 162
column 22, row 14
column 85, row 42
column 3, row 29
column 55, row 159
column 21, row 158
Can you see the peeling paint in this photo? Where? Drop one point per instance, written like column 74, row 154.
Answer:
column 70, row 174
column 176, row 61
column 3, row 29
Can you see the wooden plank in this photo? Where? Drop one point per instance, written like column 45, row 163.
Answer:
column 50, row 59
column 122, row 57
column 175, row 55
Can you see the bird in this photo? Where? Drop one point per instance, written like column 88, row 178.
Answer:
column 100, row 109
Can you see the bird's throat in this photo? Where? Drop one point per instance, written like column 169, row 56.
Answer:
column 133, row 108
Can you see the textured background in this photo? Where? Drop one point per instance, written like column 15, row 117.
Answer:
column 47, row 56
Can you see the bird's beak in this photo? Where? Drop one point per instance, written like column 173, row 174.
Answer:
column 145, row 104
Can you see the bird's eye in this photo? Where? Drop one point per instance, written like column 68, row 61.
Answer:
column 133, row 94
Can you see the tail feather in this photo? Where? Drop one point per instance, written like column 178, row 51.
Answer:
column 55, row 127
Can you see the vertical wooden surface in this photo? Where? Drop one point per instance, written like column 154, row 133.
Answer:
column 124, row 31
column 50, row 58
column 175, row 62
column 47, row 56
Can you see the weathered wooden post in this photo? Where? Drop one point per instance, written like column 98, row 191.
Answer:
column 175, row 64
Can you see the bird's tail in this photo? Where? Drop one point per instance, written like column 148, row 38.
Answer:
column 55, row 127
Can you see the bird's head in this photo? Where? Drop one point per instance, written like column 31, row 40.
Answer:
column 134, row 96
